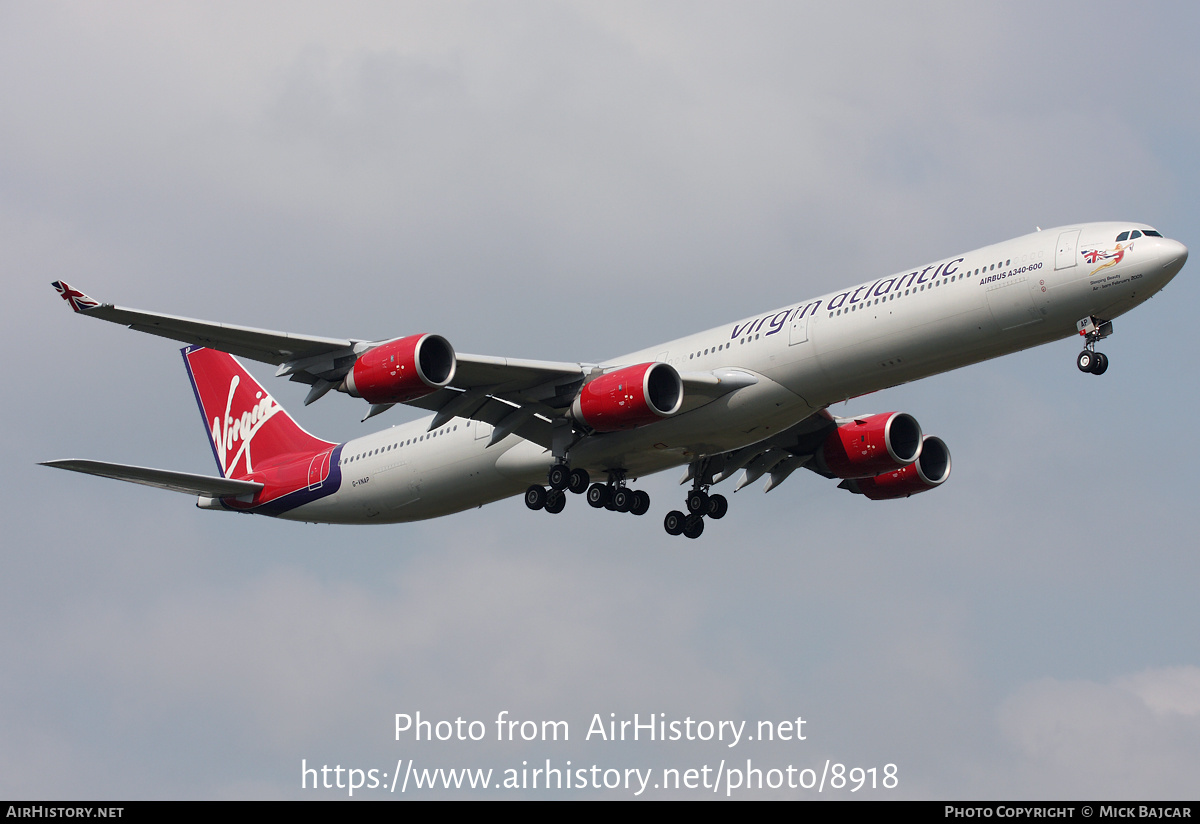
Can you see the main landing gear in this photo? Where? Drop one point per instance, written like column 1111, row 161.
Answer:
column 613, row 495
column 699, row 503
column 561, row 478
column 617, row 497
column 1093, row 330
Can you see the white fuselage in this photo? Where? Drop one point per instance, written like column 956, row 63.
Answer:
column 804, row 357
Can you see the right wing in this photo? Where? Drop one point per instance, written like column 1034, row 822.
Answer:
column 904, row 460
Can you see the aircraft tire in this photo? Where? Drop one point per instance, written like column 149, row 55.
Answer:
column 558, row 476
column 718, row 505
column 1101, row 364
column 578, row 481
column 597, row 495
column 622, row 500
column 535, row 497
column 697, row 502
column 673, row 523
column 1085, row 361
column 693, row 526
column 556, row 500
column 641, row 503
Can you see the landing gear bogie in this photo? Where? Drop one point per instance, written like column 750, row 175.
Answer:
column 699, row 503
column 560, row 479
column 616, row 497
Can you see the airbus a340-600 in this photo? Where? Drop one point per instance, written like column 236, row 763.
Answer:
column 749, row 396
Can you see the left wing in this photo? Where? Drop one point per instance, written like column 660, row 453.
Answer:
column 513, row 395
column 256, row 344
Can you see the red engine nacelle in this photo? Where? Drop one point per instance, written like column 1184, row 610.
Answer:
column 930, row 470
column 629, row 397
column 402, row 370
column 866, row 447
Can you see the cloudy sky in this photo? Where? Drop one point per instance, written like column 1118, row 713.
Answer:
column 572, row 181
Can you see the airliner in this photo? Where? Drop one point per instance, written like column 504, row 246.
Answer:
column 748, row 397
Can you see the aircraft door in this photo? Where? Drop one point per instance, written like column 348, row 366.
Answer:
column 799, row 331
column 1068, row 242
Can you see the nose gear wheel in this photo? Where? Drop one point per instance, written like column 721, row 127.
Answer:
column 1089, row 360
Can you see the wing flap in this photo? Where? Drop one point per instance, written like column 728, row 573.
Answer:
column 160, row 478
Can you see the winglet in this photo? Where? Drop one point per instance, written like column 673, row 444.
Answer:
column 78, row 300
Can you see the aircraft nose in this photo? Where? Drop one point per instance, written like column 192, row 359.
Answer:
column 1173, row 255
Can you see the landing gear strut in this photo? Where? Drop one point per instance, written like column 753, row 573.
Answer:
column 1093, row 330
column 699, row 503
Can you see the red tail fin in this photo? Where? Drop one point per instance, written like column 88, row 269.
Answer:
column 248, row 429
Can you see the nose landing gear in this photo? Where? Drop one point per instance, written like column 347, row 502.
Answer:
column 1093, row 330
column 1094, row 362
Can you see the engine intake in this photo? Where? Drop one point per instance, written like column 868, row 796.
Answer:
column 402, row 370
column 629, row 397
column 930, row 470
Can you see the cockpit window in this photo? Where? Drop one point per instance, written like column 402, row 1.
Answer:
column 1151, row 233
column 1122, row 237
column 1135, row 234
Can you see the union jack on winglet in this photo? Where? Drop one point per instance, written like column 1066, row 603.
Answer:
column 78, row 300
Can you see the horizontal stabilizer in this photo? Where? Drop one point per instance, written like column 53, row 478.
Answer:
column 161, row 478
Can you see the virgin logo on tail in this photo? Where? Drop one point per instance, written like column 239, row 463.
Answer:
column 250, row 431
column 229, row 432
